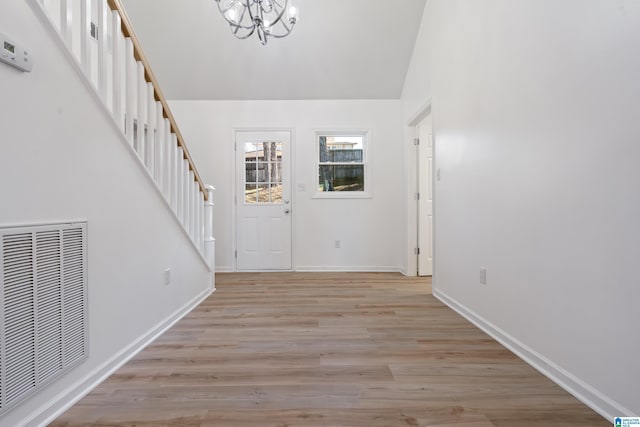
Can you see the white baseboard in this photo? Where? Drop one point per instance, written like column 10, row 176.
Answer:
column 317, row 269
column 70, row 396
column 582, row 391
column 349, row 268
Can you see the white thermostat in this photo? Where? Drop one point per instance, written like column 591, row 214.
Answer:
column 15, row 55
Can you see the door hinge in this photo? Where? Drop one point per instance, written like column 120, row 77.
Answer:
column 416, row 141
column 417, row 196
column 235, row 146
column 416, row 251
column 235, row 254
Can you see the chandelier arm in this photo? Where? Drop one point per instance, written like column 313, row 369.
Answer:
column 244, row 12
column 224, row 11
column 238, row 26
column 221, row 9
column 235, row 29
column 260, row 13
column 286, row 28
column 246, row 36
column 262, row 36
column 280, row 14
column 251, row 15
column 264, row 9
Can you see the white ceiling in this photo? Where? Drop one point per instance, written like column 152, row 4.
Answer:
column 339, row 49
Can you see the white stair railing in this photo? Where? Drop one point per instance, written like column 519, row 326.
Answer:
column 100, row 37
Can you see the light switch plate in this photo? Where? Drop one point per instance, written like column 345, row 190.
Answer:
column 12, row 53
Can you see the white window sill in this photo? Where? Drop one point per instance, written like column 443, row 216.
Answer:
column 342, row 195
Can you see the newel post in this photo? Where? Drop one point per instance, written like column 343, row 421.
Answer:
column 209, row 240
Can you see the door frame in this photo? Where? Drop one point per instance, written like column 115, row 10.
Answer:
column 234, row 195
column 412, row 202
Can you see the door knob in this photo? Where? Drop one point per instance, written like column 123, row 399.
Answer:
column 286, row 211
column 286, row 201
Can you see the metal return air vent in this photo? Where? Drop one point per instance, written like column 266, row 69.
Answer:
column 43, row 301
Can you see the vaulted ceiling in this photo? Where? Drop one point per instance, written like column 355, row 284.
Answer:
column 340, row 49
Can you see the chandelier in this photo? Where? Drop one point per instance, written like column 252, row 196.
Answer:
column 267, row 18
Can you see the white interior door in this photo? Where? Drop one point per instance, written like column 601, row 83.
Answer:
column 263, row 208
column 425, row 201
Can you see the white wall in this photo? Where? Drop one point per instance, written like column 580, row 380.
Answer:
column 371, row 230
column 416, row 91
column 61, row 159
column 535, row 108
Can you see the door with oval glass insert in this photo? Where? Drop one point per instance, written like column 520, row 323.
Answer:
column 263, row 221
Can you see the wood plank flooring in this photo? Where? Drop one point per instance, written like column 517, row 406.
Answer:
column 327, row 349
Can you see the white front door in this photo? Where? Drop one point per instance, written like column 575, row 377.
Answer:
column 263, row 208
column 425, row 202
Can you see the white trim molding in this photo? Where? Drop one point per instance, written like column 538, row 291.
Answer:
column 420, row 114
column 350, row 268
column 411, row 266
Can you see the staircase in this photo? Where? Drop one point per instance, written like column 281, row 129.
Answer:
column 99, row 38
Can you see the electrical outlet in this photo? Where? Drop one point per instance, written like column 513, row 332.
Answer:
column 337, row 244
column 483, row 276
column 167, row 277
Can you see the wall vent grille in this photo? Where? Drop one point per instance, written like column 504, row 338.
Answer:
column 43, row 297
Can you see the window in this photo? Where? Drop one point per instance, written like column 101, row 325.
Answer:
column 342, row 164
column 263, row 172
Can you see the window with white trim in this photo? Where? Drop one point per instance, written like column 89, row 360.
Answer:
column 342, row 164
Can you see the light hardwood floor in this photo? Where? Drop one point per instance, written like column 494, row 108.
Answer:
column 327, row 349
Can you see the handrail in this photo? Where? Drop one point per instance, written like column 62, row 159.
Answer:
column 127, row 30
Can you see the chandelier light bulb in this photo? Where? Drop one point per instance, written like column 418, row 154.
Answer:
column 293, row 14
column 231, row 15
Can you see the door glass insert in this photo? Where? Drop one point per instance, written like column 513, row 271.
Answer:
column 263, row 172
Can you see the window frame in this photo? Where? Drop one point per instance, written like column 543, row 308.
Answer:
column 366, row 135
